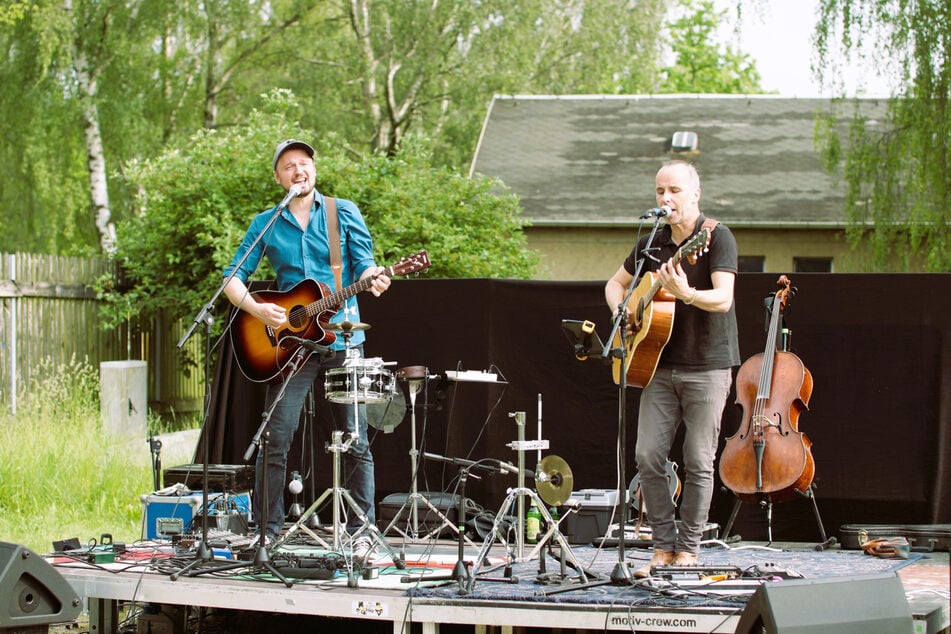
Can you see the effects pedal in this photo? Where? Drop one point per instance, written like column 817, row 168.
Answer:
column 692, row 573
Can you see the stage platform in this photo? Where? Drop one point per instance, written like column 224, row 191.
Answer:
column 418, row 591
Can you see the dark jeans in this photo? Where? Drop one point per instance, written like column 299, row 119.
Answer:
column 357, row 472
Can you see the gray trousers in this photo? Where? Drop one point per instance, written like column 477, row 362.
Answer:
column 695, row 399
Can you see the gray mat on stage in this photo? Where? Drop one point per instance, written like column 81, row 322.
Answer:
column 688, row 590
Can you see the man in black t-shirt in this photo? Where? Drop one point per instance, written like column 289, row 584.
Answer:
column 694, row 372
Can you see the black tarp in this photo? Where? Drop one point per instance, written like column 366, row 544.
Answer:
column 877, row 347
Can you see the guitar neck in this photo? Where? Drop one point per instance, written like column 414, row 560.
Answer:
column 674, row 261
column 335, row 299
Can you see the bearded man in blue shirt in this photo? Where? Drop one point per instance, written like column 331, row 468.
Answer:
column 298, row 248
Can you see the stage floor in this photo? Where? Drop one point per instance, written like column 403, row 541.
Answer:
column 421, row 585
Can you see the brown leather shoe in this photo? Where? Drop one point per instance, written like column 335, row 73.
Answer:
column 685, row 559
column 660, row 558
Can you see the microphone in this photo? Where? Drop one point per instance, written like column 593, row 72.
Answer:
column 307, row 344
column 508, row 467
column 292, row 193
column 295, row 486
column 656, row 212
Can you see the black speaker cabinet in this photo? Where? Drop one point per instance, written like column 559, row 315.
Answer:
column 869, row 604
column 32, row 592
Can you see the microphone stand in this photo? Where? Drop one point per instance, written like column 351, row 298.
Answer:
column 460, row 572
column 621, row 574
column 261, row 558
column 203, row 552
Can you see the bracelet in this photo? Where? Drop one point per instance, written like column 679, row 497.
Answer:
column 692, row 297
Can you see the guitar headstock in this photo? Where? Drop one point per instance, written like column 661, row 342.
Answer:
column 411, row 264
column 696, row 246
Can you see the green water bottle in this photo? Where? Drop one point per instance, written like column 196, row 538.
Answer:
column 533, row 524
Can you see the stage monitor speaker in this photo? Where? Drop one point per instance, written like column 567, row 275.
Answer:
column 32, row 592
column 867, row 604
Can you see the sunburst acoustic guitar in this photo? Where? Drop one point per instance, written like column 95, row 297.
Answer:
column 263, row 353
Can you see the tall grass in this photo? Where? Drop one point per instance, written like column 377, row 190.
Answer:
column 61, row 476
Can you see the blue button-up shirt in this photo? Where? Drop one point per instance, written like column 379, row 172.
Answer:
column 298, row 254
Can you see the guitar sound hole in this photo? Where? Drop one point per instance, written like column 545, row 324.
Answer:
column 297, row 317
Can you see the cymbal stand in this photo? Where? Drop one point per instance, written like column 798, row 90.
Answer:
column 517, row 497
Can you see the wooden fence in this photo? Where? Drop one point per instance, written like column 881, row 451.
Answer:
column 50, row 316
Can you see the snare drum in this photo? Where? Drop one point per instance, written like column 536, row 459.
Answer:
column 361, row 380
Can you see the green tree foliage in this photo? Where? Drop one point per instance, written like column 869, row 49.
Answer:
column 385, row 70
column 702, row 66
column 194, row 204
column 375, row 72
column 898, row 176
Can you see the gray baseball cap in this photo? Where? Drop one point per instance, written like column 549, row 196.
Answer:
column 290, row 144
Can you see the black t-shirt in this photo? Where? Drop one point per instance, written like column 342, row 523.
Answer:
column 700, row 340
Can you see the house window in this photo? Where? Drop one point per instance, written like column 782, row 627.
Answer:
column 812, row 265
column 751, row 263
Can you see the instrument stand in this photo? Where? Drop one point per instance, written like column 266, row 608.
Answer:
column 415, row 377
column 768, row 505
column 341, row 496
column 517, row 496
column 809, row 492
column 341, row 500
column 561, row 577
column 552, row 533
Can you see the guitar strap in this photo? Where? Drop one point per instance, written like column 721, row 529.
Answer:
column 710, row 223
column 333, row 236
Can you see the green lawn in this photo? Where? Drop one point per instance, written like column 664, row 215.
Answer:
column 62, row 477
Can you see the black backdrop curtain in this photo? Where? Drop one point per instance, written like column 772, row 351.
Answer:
column 877, row 346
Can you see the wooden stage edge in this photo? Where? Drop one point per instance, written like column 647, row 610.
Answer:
column 105, row 591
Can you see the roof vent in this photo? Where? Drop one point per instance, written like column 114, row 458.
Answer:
column 683, row 141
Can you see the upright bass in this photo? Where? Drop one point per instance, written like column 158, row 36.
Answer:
column 768, row 457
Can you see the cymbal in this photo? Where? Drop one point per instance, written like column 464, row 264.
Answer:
column 347, row 326
column 387, row 415
column 554, row 487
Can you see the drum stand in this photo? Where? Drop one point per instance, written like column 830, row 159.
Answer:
column 341, row 500
column 341, row 497
column 415, row 377
column 518, row 495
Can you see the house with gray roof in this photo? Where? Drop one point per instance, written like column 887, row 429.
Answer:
column 583, row 168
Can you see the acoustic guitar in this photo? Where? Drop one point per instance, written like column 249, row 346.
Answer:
column 652, row 317
column 263, row 353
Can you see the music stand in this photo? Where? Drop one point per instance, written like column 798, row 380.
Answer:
column 583, row 337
